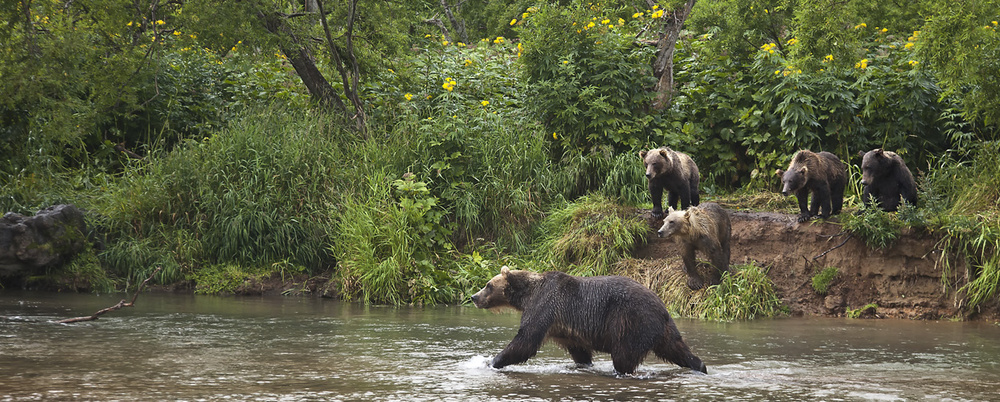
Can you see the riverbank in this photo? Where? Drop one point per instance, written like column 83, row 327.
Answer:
column 903, row 280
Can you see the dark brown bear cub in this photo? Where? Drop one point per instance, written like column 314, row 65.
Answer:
column 674, row 171
column 610, row 314
column 824, row 175
column 705, row 228
column 885, row 178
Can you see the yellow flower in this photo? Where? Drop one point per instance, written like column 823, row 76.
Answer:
column 468, row 62
column 513, row 21
column 636, row 15
column 408, row 96
column 884, row 30
column 177, row 33
column 792, row 41
column 524, row 15
column 444, row 43
column 460, row 44
column 193, row 36
column 485, row 103
column 776, row 72
column 863, row 64
column 565, row 61
column 428, row 97
column 498, row 40
column 590, row 25
column 861, row 25
column 657, row 14
column 554, row 136
column 427, row 36
column 913, row 62
column 621, row 21
column 828, row 57
column 160, row 22
column 392, row 71
column 605, row 21
column 655, row 6
column 129, row 23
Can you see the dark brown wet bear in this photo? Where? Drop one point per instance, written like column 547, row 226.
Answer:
column 610, row 314
column 705, row 228
column 673, row 171
column 885, row 178
column 824, row 175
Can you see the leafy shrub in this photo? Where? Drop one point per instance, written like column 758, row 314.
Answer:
column 877, row 228
column 744, row 294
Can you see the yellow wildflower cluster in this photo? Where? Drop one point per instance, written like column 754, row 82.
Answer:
column 449, row 84
column 657, row 14
column 913, row 63
column 499, row 40
column 408, row 96
column 485, row 103
column 861, row 25
column 792, row 41
column 513, row 21
column 991, row 27
column 828, row 58
column 788, row 71
column 637, row 15
column 468, row 62
column 863, row 64
column 768, row 47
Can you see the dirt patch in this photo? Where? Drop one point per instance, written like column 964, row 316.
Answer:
column 903, row 280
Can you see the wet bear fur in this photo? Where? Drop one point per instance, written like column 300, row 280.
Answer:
column 609, row 314
column 674, row 171
column 885, row 178
column 822, row 174
column 704, row 228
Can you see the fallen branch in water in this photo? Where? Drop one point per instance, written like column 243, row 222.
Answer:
column 120, row 304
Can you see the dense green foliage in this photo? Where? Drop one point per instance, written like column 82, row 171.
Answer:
column 821, row 281
column 187, row 133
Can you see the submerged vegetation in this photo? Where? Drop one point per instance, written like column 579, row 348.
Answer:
column 409, row 166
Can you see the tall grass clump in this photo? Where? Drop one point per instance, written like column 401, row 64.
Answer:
column 253, row 193
column 877, row 228
column 589, row 235
column 744, row 294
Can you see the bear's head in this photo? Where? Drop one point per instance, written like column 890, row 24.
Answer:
column 506, row 290
column 875, row 163
column 797, row 174
column 676, row 223
column 657, row 161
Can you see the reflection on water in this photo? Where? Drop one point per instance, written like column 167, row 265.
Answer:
column 201, row 347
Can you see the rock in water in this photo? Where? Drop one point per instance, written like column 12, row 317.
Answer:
column 52, row 237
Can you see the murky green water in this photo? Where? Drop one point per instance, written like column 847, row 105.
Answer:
column 183, row 347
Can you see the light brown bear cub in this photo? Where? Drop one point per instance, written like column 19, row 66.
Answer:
column 610, row 314
column 705, row 228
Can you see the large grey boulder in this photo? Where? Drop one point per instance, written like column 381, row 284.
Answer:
column 50, row 238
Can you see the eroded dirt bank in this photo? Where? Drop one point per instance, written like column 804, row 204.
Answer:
column 903, row 280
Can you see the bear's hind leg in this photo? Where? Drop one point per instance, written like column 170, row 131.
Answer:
column 626, row 361
column 582, row 356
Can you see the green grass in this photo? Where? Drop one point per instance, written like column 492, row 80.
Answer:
column 821, row 281
column 870, row 308
column 745, row 293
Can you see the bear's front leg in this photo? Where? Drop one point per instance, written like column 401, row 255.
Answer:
column 656, row 196
column 529, row 338
column 821, row 202
column 694, row 281
column 802, row 195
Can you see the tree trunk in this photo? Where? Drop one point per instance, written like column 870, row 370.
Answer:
column 458, row 25
column 663, row 67
column 303, row 62
column 350, row 79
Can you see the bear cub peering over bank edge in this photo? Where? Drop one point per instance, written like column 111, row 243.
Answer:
column 704, row 228
column 609, row 314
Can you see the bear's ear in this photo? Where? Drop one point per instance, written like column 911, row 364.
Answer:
column 504, row 271
column 879, row 152
column 642, row 155
column 779, row 172
column 800, row 156
column 804, row 170
column 663, row 152
column 861, row 154
column 670, row 210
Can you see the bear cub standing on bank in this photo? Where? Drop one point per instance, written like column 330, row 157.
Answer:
column 885, row 177
column 705, row 228
column 824, row 175
column 610, row 314
column 674, row 171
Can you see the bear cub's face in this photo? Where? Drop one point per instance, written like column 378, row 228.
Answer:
column 793, row 180
column 492, row 295
column 676, row 222
column 656, row 161
column 873, row 164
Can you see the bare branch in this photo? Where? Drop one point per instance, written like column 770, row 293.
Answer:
column 118, row 306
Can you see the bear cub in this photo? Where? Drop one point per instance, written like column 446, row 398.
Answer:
column 673, row 171
column 704, row 228
column 885, row 178
column 609, row 314
column 824, row 175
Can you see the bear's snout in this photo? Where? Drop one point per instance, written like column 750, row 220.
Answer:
column 475, row 299
column 659, row 233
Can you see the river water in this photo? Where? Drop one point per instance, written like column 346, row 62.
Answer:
column 190, row 347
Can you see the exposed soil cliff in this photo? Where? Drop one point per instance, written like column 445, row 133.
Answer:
column 903, row 280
